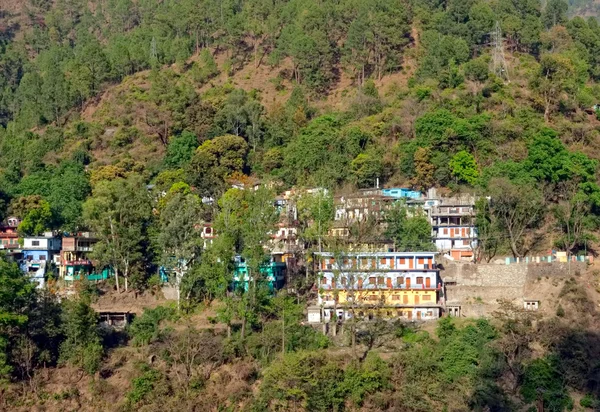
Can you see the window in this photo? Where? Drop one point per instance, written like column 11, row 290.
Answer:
column 445, row 231
column 419, row 280
column 324, row 281
column 382, row 261
column 363, row 262
column 372, row 280
column 381, row 280
column 426, row 297
column 430, row 313
column 402, row 261
column 35, row 243
column 42, row 257
column 344, row 281
column 400, row 281
column 395, row 297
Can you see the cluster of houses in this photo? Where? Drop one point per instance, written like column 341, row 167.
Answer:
column 67, row 255
column 369, row 279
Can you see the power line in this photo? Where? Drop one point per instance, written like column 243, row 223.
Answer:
column 499, row 66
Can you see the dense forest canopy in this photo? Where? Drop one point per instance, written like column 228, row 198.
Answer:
column 463, row 94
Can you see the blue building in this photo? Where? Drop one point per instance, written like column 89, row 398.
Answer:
column 402, row 193
column 38, row 252
column 273, row 273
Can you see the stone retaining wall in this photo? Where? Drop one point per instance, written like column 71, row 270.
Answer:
column 478, row 288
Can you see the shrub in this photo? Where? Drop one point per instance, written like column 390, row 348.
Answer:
column 588, row 401
column 146, row 328
column 143, row 385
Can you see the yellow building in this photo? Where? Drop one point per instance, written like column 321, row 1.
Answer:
column 388, row 285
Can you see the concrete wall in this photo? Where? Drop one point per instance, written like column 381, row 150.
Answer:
column 478, row 288
column 169, row 292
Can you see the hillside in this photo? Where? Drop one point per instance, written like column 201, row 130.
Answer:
column 584, row 8
column 210, row 148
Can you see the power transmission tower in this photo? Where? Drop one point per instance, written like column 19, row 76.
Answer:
column 499, row 66
column 153, row 53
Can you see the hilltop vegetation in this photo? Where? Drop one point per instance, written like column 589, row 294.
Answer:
column 342, row 94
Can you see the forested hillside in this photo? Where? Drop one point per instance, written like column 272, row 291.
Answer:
column 132, row 119
column 329, row 94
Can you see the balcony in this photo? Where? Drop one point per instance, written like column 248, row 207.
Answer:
column 374, row 287
column 78, row 262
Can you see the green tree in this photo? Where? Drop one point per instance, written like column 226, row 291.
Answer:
column 518, row 212
column 82, row 346
column 555, row 13
column 489, row 232
column 180, row 229
column 408, row 229
column 118, row 211
column 464, row 167
column 36, row 214
column 315, row 213
column 555, row 77
column 15, row 292
column 366, row 169
column 181, row 149
column 214, row 161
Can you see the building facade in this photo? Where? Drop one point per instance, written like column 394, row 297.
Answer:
column 38, row 253
column 388, row 285
column 9, row 237
column 272, row 273
column 75, row 258
column 454, row 230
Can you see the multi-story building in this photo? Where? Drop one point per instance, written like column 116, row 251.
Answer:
column 272, row 273
column 75, row 258
column 8, row 234
column 389, row 285
column 208, row 234
column 454, row 230
column 38, row 252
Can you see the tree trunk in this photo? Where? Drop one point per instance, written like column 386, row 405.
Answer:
column 126, row 276
column 117, row 280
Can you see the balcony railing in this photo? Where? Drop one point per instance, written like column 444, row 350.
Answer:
column 370, row 286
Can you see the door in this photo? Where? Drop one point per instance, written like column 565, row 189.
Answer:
column 409, row 314
column 407, row 280
column 416, row 300
column 418, row 315
column 405, row 300
column 411, row 264
column 360, row 281
column 428, row 283
column 464, row 232
column 389, row 283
